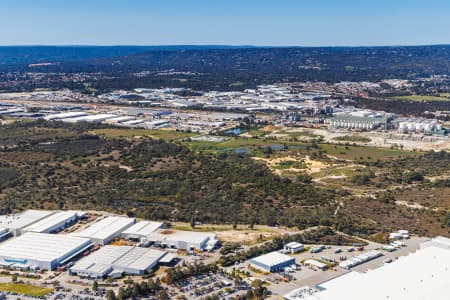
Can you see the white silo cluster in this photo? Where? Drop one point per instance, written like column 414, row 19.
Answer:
column 355, row 124
column 418, row 126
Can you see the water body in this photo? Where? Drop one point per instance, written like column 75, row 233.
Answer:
column 235, row 131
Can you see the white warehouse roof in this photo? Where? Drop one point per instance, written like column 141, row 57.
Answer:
column 128, row 259
column 178, row 235
column 141, row 229
column 294, row 245
column 424, row 274
column 90, row 118
column 106, row 229
column 48, row 223
column 65, row 115
column 19, row 221
column 119, row 119
column 41, row 247
column 272, row 259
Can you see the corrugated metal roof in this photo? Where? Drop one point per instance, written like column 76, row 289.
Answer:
column 41, row 246
column 106, row 228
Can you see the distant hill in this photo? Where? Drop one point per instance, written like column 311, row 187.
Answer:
column 24, row 55
column 221, row 67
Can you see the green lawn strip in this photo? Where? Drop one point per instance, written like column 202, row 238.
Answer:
column 25, row 289
column 352, row 138
column 337, row 150
column 339, row 171
column 169, row 135
column 441, row 97
column 363, row 152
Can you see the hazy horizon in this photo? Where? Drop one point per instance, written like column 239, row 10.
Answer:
column 282, row 23
column 224, row 45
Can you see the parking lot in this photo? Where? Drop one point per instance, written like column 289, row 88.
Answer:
column 203, row 285
column 310, row 276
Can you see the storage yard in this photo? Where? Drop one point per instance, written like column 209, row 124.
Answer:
column 423, row 274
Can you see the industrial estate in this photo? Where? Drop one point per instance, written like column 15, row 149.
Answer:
column 222, row 172
column 77, row 254
column 172, row 245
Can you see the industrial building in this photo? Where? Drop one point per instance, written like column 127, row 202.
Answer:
column 315, row 263
column 419, row 125
column 4, row 233
column 360, row 259
column 363, row 123
column 186, row 240
column 53, row 223
column 65, row 115
column 424, row 274
column 141, row 230
column 272, row 262
column 117, row 260
column 105, row 230
column 97, row 118
column 17, row 222
column 294, row 247
column 41, row 250
column 439, row 242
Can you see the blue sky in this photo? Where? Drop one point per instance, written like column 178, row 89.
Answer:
column 232, row 22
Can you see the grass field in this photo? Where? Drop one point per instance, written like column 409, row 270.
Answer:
column 295, row 134
column 169, row 135
column 219, row 227
column 361, row 152
column 338, row 171
column 231, row 144
column 338, row 151
column 351, row 138
column 441, row 97
column 251, row 145
column 25, row 289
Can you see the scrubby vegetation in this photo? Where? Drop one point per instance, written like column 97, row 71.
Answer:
column 55, row 165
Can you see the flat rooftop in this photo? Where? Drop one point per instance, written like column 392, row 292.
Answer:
column 105, row 228
column 177, row 235
column 424, row 274
column 19, row 221
column 119, row 258
column 272, row 258
column 50, row 221
column 41, row 246
column 143, row 228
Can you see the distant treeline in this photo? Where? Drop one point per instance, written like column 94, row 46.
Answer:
column 230, row 68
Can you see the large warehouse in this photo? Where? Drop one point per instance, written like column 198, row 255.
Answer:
column 41, row 250
column 186, row 240
column 141, row 230
column 53, row 223
column 105, row 230
column 117, row 259
column 272, row 262
column 424, row 274
column 17, row 222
